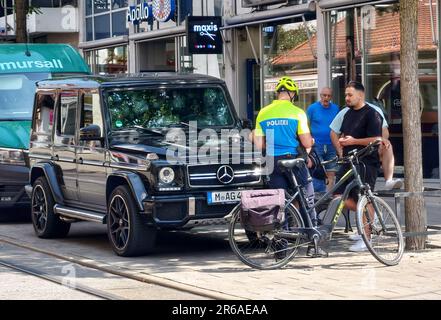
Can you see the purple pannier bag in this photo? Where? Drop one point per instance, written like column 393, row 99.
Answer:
column 262, row 210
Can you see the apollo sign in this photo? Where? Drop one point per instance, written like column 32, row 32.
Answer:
column 160, row 10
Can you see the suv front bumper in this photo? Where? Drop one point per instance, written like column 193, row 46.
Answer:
column 189, row 210
column 12, row 186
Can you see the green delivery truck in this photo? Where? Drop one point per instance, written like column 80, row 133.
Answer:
column 21, row 66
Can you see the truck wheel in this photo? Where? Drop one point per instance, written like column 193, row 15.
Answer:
column 127, row 230
column 46, row 223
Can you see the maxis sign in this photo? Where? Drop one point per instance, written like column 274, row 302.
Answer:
column 204, row 35
column 42, row 65
column 160, row 10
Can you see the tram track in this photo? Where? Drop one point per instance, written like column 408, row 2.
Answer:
column 41, row 275
column 199, row 293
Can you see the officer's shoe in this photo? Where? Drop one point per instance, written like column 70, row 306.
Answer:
column 319, row 254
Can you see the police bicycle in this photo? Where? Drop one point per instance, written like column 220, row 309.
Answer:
column 375, row 220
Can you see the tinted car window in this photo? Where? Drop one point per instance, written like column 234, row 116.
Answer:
column 44, row 114
column 159, row 108
column 67, row 113
column 91, row 111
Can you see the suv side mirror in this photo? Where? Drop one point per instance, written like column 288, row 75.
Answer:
column 247, row 124
column 90, row 133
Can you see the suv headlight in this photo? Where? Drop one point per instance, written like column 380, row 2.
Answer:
column 166, row 175
column 12, row 156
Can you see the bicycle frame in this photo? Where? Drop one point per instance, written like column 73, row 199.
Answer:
column 305, row 213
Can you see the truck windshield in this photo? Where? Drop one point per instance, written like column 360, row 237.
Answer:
column 17, row 93
column 169, row 107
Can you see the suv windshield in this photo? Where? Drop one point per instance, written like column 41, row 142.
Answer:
column 17, row 93
column 169, row 107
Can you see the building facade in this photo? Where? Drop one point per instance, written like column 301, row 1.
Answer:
column 318, row 43
column 328, row 43
column 53, row 21
column 139, row 36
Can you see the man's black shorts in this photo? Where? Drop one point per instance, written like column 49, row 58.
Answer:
column 368, row 175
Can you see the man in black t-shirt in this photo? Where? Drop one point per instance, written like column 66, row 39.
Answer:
column 361, row 125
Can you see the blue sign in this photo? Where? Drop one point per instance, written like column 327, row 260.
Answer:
column 160, row 10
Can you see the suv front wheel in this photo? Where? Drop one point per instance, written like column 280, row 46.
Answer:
column 46, row 223
column 127, row 230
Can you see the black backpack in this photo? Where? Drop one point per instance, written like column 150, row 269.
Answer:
column 317, row 171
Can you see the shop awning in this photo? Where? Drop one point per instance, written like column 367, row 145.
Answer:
column 335, row 4
column 268, row 16
column 104, row 43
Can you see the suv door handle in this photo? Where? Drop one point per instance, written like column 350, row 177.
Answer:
column 80, row 161
column 55, row 158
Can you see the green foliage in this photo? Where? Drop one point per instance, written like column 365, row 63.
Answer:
column 289, row 39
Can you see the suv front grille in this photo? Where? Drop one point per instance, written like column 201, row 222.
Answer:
column 207, row 175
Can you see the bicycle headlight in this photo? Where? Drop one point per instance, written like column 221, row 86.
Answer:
column 166, row 175
column 12, row 156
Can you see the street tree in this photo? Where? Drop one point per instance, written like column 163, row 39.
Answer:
column 21, row 11
column 414, row 206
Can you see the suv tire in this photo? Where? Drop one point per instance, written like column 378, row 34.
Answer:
column 44, row 220
column 128, row 232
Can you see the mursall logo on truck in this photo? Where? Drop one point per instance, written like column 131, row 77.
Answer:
column 40, row 64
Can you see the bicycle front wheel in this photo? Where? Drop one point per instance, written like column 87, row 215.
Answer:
column 266, row 250
column 380, row 230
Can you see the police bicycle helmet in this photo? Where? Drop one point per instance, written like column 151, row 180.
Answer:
column 287, row 84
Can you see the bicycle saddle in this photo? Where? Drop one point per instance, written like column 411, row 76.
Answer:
column 291, row 163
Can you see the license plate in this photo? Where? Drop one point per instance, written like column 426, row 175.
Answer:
column 223, row 197
column 5, row 199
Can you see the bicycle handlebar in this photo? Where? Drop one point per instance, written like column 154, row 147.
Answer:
column 358, row 154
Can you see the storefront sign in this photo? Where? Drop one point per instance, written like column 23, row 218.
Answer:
column 270, row 84
column 160, row 10
column 204, row 35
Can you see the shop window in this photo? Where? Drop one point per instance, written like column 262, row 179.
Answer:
column 287, row 52
column 157, row 55
column 376, row 49
column 111, row 60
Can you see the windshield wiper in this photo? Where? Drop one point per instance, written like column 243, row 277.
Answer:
column 146, row 130
column 177, row 125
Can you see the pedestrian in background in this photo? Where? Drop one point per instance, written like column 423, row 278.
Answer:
column 386, row 151
column 320, row 116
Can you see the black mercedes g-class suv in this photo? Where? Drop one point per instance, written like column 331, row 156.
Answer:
column 101, row 150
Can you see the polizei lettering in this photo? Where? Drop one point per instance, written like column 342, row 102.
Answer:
column 272, row 123
column 16, row 65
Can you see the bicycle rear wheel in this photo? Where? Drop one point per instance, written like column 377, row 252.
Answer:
column 269, row 249
column 385, row 242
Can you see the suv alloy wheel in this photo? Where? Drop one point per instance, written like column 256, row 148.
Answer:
column 46, row 223
column 127, row 230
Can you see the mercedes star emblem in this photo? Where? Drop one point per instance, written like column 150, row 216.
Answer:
column 225, row 174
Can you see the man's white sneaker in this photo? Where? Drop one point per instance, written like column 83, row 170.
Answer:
column 359, row 246
column 355, row 237
column 393, row 184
